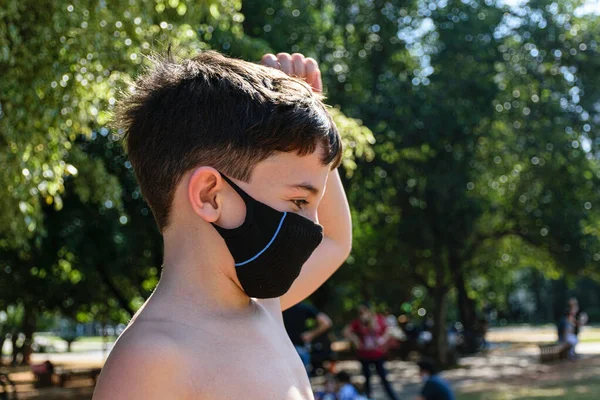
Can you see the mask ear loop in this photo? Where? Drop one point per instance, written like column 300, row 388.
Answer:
column 248, row 202
column 245, row 196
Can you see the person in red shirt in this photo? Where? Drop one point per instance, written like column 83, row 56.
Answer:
column 369, row 336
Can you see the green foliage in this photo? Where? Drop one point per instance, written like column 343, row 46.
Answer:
column 75, row 233
column 357, row 139
column 10, row 320
column 469, row 130
column 485, row 140
column 484, row 119
column 62, row 66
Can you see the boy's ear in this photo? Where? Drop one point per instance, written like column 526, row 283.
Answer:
column 204, row 185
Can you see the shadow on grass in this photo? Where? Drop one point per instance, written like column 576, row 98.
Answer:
column 581, row 390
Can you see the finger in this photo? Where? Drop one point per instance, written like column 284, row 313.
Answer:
column 270, row 60
column 285, row 60
column 317, row 84
column 299, row 67
column 313, row 75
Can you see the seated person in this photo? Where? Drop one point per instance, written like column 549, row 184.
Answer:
column 346, row 390
column 434, row 388
column 328, row 392
column 566, row 331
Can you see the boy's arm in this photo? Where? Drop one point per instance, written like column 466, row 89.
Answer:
column 334, row 215
column 333, row 212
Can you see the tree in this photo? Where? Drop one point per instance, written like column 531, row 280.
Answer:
column 62, row 66
column 469, row 104
column 484, row 119
column 84, row 242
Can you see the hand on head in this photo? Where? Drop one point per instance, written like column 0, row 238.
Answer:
column 296, row 65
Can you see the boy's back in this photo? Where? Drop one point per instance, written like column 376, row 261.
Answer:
column 234, row 160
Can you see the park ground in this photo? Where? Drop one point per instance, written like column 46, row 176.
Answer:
column 510, row 370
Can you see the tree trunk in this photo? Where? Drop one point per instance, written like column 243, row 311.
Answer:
column 537, row 287
column 15, row 350
column 29, row 320
column 466, row 305
column 2, row 340
column 249, row 23
column 560, row 297
column 440, row 336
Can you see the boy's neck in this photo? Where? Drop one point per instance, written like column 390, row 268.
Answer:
column 196, row 272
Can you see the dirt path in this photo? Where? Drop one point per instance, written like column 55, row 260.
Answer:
column 494, row 371
column 505, row 368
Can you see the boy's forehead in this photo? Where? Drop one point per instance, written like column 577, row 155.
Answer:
column 292, row 169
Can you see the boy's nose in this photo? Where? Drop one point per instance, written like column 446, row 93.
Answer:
column 311, row 214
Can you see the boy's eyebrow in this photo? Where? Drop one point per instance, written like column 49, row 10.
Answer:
column 306, row 186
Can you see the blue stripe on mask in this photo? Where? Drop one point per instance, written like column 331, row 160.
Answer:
column 268, row 244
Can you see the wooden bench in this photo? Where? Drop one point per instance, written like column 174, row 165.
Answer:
column 46, row 374
column 5, row 383
column 554, row 352
column 65, row 375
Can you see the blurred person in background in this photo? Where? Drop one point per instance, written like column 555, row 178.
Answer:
column 346, row 390
column 329, row 389
column 434, row 387
column 296, row 321
column 369, row 335
column 566, row 330
column 581, row 317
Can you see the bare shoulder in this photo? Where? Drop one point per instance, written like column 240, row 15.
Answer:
column 144, row 364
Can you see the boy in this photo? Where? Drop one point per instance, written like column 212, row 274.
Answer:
column 346, row 390
column 238, row 164
column 434, row 388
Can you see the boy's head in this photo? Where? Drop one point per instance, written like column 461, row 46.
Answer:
column 427, row 368
column 330, row 383
column 342, row 378
column 187, row 122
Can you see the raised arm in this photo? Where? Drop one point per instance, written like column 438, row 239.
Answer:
column 333, row 212
column 334, row 215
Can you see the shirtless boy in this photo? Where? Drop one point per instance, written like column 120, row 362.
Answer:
column 238, row 163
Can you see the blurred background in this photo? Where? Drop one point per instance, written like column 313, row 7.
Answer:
column 471, row 165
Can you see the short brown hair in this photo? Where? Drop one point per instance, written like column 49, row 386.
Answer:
column 216, row 111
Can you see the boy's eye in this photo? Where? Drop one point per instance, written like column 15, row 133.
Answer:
column 300, row 203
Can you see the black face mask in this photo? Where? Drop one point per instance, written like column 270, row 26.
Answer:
column 270, row 247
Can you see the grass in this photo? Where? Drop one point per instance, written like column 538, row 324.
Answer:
column 100, row 339
column 81, row 339
column 594, row 339
column 539, row 335
column 574, row 390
